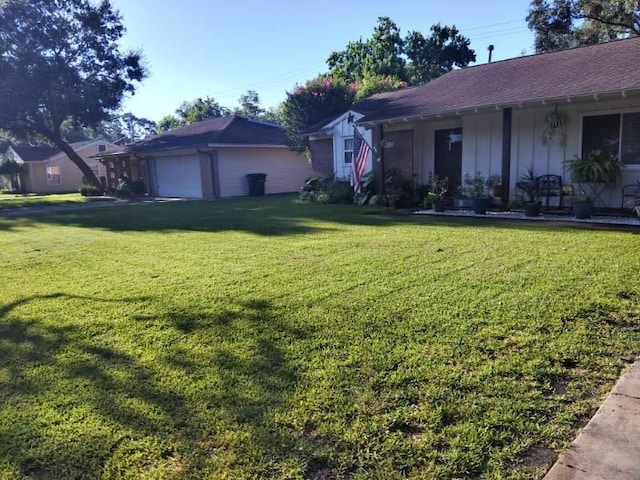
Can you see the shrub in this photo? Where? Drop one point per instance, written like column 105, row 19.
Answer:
column 88, row 190
column 326, row 190
column 340, row 192
column 123, row 189
column 138, row 187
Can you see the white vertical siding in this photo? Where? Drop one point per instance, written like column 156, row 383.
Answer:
column 528, row 149
column 286, row 170
column 342, row 130
column 482, row 143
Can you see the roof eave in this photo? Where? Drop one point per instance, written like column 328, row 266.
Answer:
column 489, row 107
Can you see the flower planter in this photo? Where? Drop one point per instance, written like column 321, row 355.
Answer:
column 438, row 206
column 582, row 209
column 462, row 203
column 532, row 209
column 479, row 205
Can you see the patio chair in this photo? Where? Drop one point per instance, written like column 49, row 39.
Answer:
column 550, row 186
column 630, row 196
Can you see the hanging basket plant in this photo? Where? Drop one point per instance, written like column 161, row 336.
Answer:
column 554, row 128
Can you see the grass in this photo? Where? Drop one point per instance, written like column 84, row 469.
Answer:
column 11, row 200
column 261, row 338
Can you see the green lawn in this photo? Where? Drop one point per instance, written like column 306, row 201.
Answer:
column 10, row 200
column 262, row 338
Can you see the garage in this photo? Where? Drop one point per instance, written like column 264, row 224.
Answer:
column 178, row 177
column 211, row 159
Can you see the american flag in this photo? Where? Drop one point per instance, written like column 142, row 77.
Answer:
column 359, row 163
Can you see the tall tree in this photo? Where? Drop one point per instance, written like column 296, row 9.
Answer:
column 201, row 109
column 561, row 24
column 387, row 47
column 168, row 122
column 120, row 129
column 194, row 111
column 310, row 103
column 61, row 59
column 430, row 57
column 380, row 56
column 348, row 65
column 249, row 105
column 387, row 61
column 12, row 170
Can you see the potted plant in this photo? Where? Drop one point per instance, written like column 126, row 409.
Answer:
column 461, row 200
column 438, row 188
column 494, row 183
column 581, row 205
column 528, row 188
column 476, row 189
column 595, row 167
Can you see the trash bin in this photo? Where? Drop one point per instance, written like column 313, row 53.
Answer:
column 256, row 183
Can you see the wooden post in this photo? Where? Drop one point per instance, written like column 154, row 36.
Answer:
column 506, row 154
column 378, row 158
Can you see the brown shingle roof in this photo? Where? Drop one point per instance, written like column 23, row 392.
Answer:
column 597, row 69
column 216, row 131
column 35, row 154
column 365, row 107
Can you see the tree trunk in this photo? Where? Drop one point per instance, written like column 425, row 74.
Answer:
column 76, row 159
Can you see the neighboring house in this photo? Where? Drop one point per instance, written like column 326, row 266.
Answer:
column 49, row 170
column 210, row 159
column 491, row 117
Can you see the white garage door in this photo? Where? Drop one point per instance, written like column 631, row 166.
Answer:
column 179, row 177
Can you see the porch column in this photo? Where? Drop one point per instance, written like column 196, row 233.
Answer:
column 377, row 134
column 506, row 154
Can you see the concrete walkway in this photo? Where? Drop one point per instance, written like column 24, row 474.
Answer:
column 609, row 446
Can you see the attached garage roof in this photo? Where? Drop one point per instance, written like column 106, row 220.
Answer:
column 216, row 131
column 584, row 71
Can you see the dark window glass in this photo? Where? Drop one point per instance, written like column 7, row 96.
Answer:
column 601, row 132
column 630, row 138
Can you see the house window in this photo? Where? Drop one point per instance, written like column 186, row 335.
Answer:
column 102, row 147
column 348, row 150
column 95, row 169
column 616, row 134
column 53, row 175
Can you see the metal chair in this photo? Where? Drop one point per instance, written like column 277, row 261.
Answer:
column 550, row 186
column 630, row 196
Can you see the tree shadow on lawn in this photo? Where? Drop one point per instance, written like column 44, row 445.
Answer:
column 276, row 215
column 78, row 404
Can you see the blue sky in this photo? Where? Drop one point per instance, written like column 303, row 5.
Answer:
column 196, row 48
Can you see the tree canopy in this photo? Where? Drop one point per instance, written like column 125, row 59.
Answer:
column 120, row 129
column 12, row 171
column 61, row 60
column 194, row 111
column 311, row 103
column 389, row 61
column 561, row 24
column 249, row 105
column 386, row 61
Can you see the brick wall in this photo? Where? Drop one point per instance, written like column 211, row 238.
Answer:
column 400, row 156
column 322, row 156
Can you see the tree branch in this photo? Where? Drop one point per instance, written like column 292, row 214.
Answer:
column 634, row 28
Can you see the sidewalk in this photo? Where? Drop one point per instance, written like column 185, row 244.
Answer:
column 609, row 446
